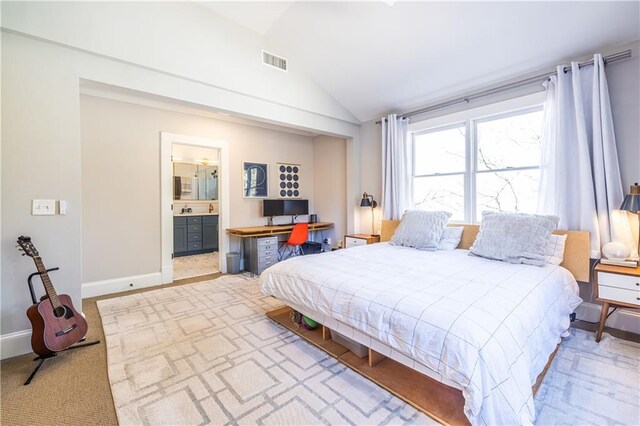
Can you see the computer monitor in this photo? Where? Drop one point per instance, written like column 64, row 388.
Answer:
column 296, row 207
column 273, row 208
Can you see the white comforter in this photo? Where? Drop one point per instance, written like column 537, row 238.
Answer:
column 488, row 326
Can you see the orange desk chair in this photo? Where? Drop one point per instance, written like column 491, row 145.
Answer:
column 293, row 246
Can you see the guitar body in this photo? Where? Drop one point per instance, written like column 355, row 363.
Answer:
column 37, row 331
column 53, row 330
column 55, row 322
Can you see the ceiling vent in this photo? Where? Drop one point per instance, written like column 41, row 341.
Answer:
column 274, row 61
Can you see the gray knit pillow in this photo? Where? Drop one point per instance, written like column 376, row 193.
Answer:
column 514, row 237
column 450, row 238
column 420, row 229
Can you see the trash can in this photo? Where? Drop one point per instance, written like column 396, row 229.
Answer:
column 233, row 262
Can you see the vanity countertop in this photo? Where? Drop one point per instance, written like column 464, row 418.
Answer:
column 194, row 214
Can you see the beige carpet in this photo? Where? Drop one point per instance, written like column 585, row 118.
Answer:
column 206, row 353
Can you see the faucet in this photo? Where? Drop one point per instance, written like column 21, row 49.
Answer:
column 210, row 208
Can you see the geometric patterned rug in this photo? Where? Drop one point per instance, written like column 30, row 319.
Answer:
column 195, row 265
column 591, row 383
column 206, row 354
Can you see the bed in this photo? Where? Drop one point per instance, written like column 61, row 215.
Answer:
column 484, row 327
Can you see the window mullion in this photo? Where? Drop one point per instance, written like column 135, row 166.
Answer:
column 470, row 184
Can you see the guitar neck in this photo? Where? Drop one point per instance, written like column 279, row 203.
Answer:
column 48, row 286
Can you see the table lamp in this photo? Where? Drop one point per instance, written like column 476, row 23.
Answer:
column 368, row 201
column 631, row 203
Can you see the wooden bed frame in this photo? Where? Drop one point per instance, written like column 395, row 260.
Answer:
column 439, row 401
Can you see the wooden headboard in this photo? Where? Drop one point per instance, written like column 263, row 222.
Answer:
column 576, row 249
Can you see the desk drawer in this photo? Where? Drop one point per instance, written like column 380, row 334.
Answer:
column 267, row 261
column 268, row 257
column 619, row 295
column 267, row 241
column 620, row 281
column 353, row 242
column 267, row 253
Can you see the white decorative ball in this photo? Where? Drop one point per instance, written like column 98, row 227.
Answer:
column 616, row 251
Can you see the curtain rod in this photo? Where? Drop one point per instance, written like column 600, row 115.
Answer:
column 541, row 77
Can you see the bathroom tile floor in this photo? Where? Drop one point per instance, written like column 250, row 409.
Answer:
column 196, row 265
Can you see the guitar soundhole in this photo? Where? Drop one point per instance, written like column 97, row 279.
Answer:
column 60, row 311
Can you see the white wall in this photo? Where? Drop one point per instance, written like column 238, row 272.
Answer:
column 370, row 172
column 112, row 236
column 179, row 38
column 330, row 191
column 49, row 49
column 624, row 89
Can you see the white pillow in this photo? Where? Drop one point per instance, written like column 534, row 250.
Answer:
column 450, row 238
column 555, row 249
column 420, row 229
column 514, row 237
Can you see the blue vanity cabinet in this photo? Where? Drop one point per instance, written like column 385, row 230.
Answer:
column 179, row 235
column 195, row 235
column 210, row 232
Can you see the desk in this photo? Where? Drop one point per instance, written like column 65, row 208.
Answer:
column 264, row 231
column 260, row 243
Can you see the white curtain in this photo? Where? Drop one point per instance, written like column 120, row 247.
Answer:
column 396, row 167
column 580, row 176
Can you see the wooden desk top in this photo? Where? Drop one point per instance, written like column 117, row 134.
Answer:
column 257, row 231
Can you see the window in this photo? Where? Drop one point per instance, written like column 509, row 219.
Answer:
column 482, row 162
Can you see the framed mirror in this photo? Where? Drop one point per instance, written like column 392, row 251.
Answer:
column 195, row 181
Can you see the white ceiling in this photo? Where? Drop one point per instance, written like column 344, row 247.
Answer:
column 376, row 58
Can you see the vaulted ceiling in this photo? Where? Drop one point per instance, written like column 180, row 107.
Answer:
column 378, row 57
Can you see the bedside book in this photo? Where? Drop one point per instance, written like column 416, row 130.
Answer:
column 627, row 262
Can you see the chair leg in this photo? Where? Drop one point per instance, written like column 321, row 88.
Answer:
column 286, row 252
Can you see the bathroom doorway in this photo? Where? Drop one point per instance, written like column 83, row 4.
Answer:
column 195, row 211
column 193, row 231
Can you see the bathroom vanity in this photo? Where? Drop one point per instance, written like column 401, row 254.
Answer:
column 195, row 233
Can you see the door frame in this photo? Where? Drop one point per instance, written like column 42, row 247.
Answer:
column 167, row 140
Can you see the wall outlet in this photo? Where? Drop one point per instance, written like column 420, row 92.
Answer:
column 43, row 207
column 327, row 241
column 62, row 206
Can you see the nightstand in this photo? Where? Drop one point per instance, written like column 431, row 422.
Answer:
column 615, row 286
column 352, row 240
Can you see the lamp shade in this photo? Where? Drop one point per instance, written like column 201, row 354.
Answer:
column 366, row 201
column 631, row 201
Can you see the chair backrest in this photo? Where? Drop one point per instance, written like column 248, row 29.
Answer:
column 299, row 234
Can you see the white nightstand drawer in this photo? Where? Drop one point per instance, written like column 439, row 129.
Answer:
column 619, row 295
column 620, row 281
column 352, row 242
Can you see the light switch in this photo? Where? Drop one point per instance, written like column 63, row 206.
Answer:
column 43, row 207
column 62, row 206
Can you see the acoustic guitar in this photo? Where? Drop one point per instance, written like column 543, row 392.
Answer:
column 55, row 323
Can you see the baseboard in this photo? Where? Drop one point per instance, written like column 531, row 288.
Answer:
column 117, row 285
column 622, row 319
column 167, row 274
column 14, row 344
